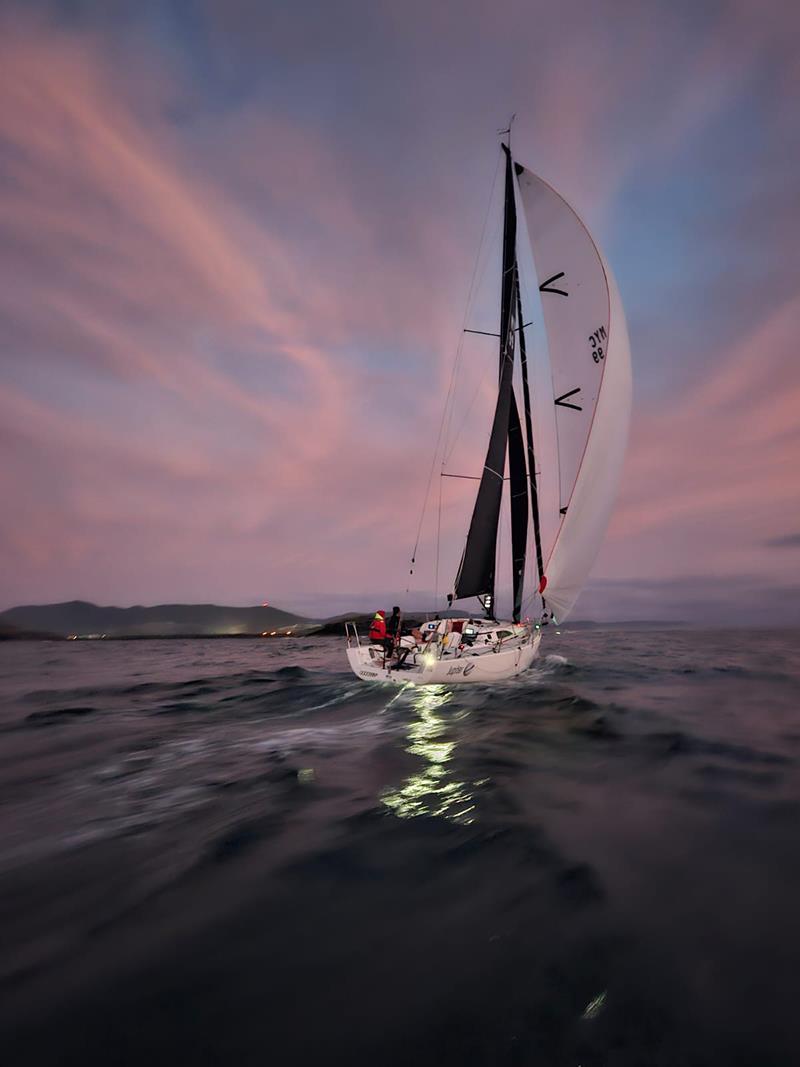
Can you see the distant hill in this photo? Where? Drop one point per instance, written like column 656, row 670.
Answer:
column 14, row 633
column 80, row 618
column 163, row 620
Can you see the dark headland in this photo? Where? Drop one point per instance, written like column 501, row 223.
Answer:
column 80, row 619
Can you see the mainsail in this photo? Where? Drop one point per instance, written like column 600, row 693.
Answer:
column 476, row 575
column 591, row 375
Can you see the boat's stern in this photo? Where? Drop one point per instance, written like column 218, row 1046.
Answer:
column 366, row 661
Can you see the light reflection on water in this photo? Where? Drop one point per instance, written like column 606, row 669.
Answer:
column 433, row 790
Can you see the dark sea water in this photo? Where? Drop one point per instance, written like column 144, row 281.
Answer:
column 233, row 852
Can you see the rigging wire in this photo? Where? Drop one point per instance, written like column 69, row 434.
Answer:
column 450, row 396
column 501, row 540
column 438, row 543
column 529, row 285
column 478, row 390
column 484, row 250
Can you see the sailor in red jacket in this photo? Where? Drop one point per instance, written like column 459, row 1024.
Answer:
column 377, row 631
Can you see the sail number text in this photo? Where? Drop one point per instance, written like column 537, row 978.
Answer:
column 597, row 340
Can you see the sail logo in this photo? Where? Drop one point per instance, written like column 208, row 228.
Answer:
column 598, row 352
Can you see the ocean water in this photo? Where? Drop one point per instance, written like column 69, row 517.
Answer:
column 233, row 852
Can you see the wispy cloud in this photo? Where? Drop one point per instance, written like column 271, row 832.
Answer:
column 745, row 600
column 786, row 541
column 233, row 263
column 714, row 471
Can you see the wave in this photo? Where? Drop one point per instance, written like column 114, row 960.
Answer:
column 58, row 715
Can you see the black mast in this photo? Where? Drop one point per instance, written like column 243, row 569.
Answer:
column 526, row 400
column 476, row 574
column 518, row 485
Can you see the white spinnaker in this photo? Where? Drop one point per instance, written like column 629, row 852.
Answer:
column 591, row 371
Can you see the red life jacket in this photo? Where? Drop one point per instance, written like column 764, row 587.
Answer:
column 377, row 631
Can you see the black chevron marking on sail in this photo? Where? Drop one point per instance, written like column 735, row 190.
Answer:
column 561, row 400
column 545, row 286
column 562, row 511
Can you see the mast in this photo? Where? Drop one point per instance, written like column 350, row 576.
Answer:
column 476, row 573
column 511, row 308
column 518, row 487
column 526, row 400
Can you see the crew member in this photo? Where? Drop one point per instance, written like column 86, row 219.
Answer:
column 393, row 631
column 393, row 626
column 377, row 631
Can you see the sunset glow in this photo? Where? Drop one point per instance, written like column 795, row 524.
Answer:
column 234, row 261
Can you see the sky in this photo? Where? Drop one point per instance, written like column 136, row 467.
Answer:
column 236, row 242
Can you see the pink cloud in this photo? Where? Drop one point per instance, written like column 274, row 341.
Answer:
column 713, row 474
column 228, row 340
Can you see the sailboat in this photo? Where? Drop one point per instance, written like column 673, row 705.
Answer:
column 590, row 378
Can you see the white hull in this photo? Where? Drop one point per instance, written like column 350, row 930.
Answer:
column 476, row 666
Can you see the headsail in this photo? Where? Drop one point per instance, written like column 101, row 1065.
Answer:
column 590, row 366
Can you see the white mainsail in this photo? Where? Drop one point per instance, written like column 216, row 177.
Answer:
column 591, row 375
